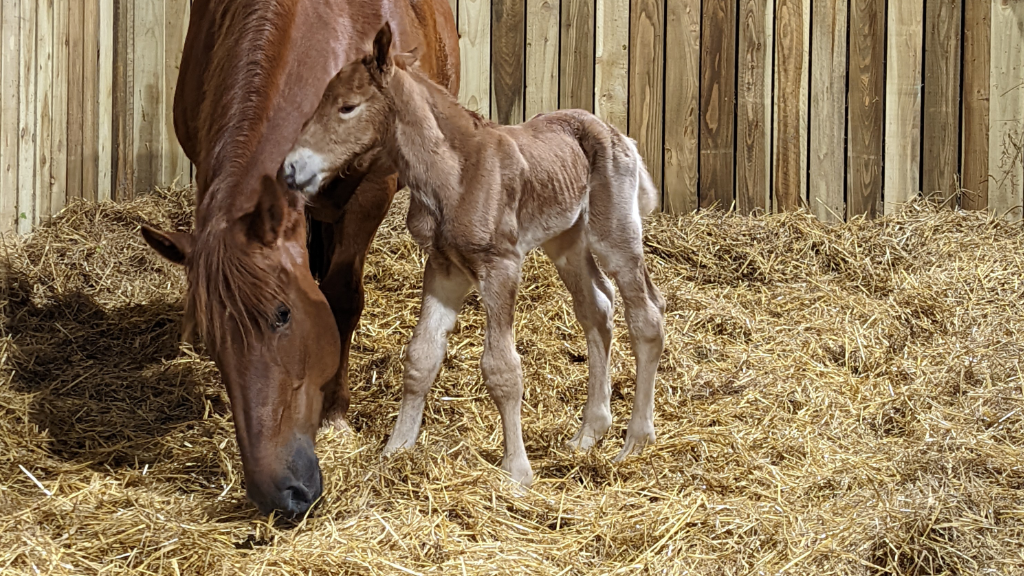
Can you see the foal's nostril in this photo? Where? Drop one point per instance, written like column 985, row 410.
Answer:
column 289, row 175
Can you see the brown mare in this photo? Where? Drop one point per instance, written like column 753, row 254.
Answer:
column 483, row 196
column 251, row 74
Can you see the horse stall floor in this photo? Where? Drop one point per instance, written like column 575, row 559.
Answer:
column 833, row 399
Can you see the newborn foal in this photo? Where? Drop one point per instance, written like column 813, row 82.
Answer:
column 483, row 196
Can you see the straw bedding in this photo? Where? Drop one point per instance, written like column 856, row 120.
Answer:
column 833, row 400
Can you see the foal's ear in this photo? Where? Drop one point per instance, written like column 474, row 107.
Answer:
column 265, row 222
column 382, row 49
column 174, row 246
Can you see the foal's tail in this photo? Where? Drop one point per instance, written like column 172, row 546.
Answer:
column 615, row 162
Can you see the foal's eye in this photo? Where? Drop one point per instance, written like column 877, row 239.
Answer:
column 282, row 315
column 347, row 109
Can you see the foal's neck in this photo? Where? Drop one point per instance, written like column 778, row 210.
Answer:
column 431, row 135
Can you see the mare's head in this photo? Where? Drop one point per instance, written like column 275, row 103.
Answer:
column 272, row 335
column 353, row 117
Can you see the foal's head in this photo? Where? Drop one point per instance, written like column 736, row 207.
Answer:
column 354, row 115
column 272, row 335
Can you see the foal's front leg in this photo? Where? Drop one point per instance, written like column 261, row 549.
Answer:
column 500, row 364
column 444, row 289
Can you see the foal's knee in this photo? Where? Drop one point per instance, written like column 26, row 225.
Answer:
column 503, row 374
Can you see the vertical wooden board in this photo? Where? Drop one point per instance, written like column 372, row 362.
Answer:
column 1006, row 112
column 148, row 95
column 105, row 103
column 541, row 56
column 792, row 55
column 827, row 163
column 941, row 128
column 26, row 118
column 905, row 47
column 611, row 62
column 10, row 57
column 646, row 77
column 753, row 126
column 508, row 52
column 44, row 112
column 90, row 97
column 769, row 99
column 576, row 69
column 682, row 105
column 717, row 103
column 175, row 163
column 59, row 123
column 475, row 55
column 974, row 144
column 76, row 97
column 124, row 22
column 864, row 167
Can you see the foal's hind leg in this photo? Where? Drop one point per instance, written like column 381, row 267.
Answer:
column 444, row 289
column 593, row 302
column 621, row 252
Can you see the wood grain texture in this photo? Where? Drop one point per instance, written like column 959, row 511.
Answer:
column 148, row 95
column 717, row 103
column 792, row 71
column 827, row 163
column 26, row 118
column 977, row 67
column 940, row 131
column 44, row 110
column 124, row 55
column 753, row 107
column 76, row 97
column 904, row 62
column 611, row 62
column 10, row 58
column 508, row 36
column 682, row 105
column 864, row 167
column 59, row 123
column 176, row 166
column 1006, row 112
column 105, row 102
column 90, row 102
column 576, row 68
column 475, row 55
column 646, row 75
column 541, row 56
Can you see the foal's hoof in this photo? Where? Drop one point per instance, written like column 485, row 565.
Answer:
column 635, row 443
column 338, row 424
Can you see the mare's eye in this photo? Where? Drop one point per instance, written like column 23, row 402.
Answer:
column 347, row 109
column 282, row 315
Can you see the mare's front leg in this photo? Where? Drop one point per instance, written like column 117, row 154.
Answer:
column 444, row 289
column 500, row 364
column 342, row 286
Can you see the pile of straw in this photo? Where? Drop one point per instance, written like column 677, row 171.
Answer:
column 833, row 400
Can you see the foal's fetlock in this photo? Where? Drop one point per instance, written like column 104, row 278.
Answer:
column 519, row 471
column 591, row 432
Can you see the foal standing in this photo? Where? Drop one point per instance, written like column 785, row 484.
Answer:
column 483, row 196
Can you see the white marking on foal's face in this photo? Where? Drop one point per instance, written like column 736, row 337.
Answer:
column 305, row 170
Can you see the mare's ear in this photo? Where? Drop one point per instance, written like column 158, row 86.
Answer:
column 265, row 222
column 382, row 50
column 406, row 60
column 174, row 246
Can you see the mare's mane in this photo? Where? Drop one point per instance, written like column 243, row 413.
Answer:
column 242, row 80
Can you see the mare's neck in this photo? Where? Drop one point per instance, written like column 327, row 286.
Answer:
column 430, row 132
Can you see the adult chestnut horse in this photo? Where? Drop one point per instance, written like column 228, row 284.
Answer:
column 252, row 73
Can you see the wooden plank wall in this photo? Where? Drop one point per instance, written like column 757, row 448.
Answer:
column 68, row 91
column 844, row 107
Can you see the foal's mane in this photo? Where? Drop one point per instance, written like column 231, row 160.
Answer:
column 242, row 79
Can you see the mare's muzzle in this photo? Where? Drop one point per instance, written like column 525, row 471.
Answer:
column 295, row 490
